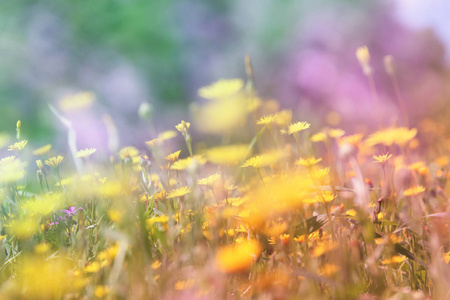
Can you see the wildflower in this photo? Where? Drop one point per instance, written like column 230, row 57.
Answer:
column 54, row 162
column 399, row 136
column 227, row 155
column 155, row 142
column 237, row 258
column 446, row 257
column 187, row 163
column 77, row 102
column 266, row 120
column 363, row 56
column 210, row 180
column 223, row 115
column 129, row 152
column 42, row 248
column 415, row 190
column 394, row 260
column 115, row 214
column 221, row 89
column 184, row 284
column 263, row 160
column 318, row 137
column 324, row 247
column 18, row 146
column 336, row 133
column 155, row 265
column 42, row 150
column 382, row 159
column 71, row 211
column 101, row 291
column 285, row 239
column 183, row 127
column 86, row 152
column 173, row 156
column 308, row 162
column 179, row 192
column 297, row 127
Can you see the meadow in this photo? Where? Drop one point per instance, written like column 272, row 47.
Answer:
column 257, row 204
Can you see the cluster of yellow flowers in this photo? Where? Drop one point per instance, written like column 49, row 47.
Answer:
column 280, row 210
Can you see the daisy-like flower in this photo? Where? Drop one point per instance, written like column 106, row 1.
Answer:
column 394, row 260
column 296, row 127
column 336, row 133
column 173, row 156
column 263, row 160
column 18, row 146
column 308, row 162
column 382, row 159
column 266, row 120
column 210, row 180
column 183, row 127
column 415, row 190
column 71, row 211
column 54, row 162
column 86, row 152
column 179, row 192
column 183, row 164
column 399, row 136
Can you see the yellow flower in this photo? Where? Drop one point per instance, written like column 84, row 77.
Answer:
column 263, row 160
column 394, row 260
column 157, row 219
column 266, row 120
column 179, row 192
column 415, row 190
column 42, row 150
column 77, row 102
column 129, row 152
column 318, row 137
column 239, row 257
column 155, row 265
column 86, row 152
column 18, row 146
column 173, row 156
column 227, row 155
column 186, row 163
column 308, row 162
column 54, row 162
column 382, row 159
column 221, row 89
column 446, row 257
column 399, row 136
column 183, row 127
column 335, row 133
column 184, row 284
column 297, row 127
column 210, row 180
column 101, row 291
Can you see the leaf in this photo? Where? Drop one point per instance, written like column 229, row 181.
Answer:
column 312, row 224
column 400, row 249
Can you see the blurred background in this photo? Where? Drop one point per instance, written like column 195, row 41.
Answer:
column 161, row 52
